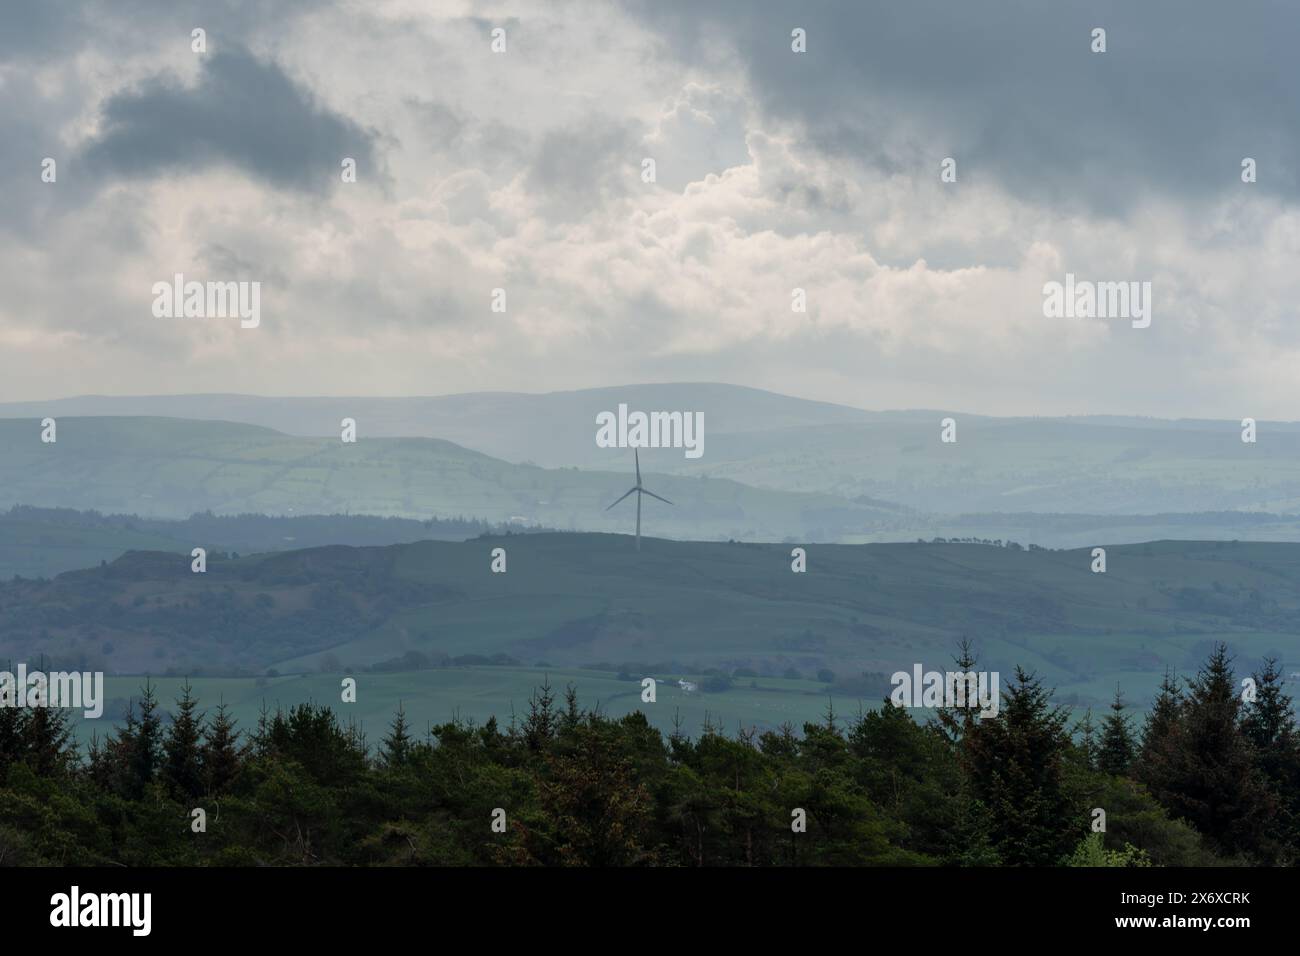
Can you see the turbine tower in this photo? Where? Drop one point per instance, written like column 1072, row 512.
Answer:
column 639, row 492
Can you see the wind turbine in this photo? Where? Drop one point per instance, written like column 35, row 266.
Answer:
column 639, row 492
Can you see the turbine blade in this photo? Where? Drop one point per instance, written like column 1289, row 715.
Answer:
column 628, row 492
column 637, row 454
column 653, row 495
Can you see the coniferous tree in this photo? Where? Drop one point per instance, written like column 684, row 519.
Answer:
column 222, row 757
column 395, row 748
column 1269, row 724
column 1269, row 719
column 1210, row 779
column 134, row 752
column 146, row 752
column 47, row 743
column 1087, row 745
column 539, row 725
column 182, row 768
column 261, row 742
column 98, row 766
column 955, row 722
column 1115, row 755
column 572, row 714
column 1162, row 737
column 885, row 790
column 1016, row 763
column 11, row 738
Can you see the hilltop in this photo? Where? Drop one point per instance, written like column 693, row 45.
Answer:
column 589, row 600
column 1101, row 465
column 173, row 468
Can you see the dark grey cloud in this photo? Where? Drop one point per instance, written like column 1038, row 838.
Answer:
column 36, row 29
column 1012, row 90
column 580, row 167
column 244, row 113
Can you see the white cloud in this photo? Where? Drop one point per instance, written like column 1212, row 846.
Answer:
column 522, row 171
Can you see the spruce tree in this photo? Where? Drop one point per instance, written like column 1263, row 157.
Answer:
column 182, row 769
column 222, row 757
column 1087, row 745
column 1269, row 724
column 1016, row 764
column 1162, row 738
column 135, row 751
column 955, row 722
column 395, row 749
column 47, row 744
column 539, row 725
column 11, row 739
column 1115, row 755
column 1209, row 778
column 1269, row 720
column 99, row 765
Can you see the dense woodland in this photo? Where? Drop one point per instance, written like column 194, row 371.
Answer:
column 1205, row 779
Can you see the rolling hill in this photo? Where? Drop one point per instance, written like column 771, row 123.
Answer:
column 173, row 468
column 588, row 600
column 1094, row 465
column 43, row 542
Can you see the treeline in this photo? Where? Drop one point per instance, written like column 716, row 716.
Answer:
column 253, row 532
column 1207, row 779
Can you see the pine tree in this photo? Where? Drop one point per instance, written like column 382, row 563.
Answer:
column 1269, row 724
column 11, row 739
column 1115, row 756
column 182, row 769
column 395, row 749
column 98, row 763
column 262, row 744
column 1087, row 734
column 47, row 744
column 1208, row 777
column 221, row 756
column 1162, row 737
column 539, row 725
column 1269, row 719
column 1016, row 765
column 135, row 752
column 571, row 717
column 955, row 722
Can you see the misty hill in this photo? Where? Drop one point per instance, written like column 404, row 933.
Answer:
column 555, row 429
column 575, row 600
column 1098, row 464
column 173, row 468
column 43, row 542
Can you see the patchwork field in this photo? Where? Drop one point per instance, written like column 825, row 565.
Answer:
column 586, row 602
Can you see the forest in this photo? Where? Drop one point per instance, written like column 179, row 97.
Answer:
column 1210, row 775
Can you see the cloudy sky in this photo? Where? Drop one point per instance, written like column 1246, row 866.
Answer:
column 775, row 170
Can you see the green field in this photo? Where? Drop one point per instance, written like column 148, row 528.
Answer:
column 478, row 693
column 571, row 602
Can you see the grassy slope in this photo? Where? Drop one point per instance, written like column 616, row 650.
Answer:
column 676, row 607
column 1100, row 464
column 173, row 468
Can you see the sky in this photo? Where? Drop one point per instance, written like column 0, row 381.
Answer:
column 775, row 170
